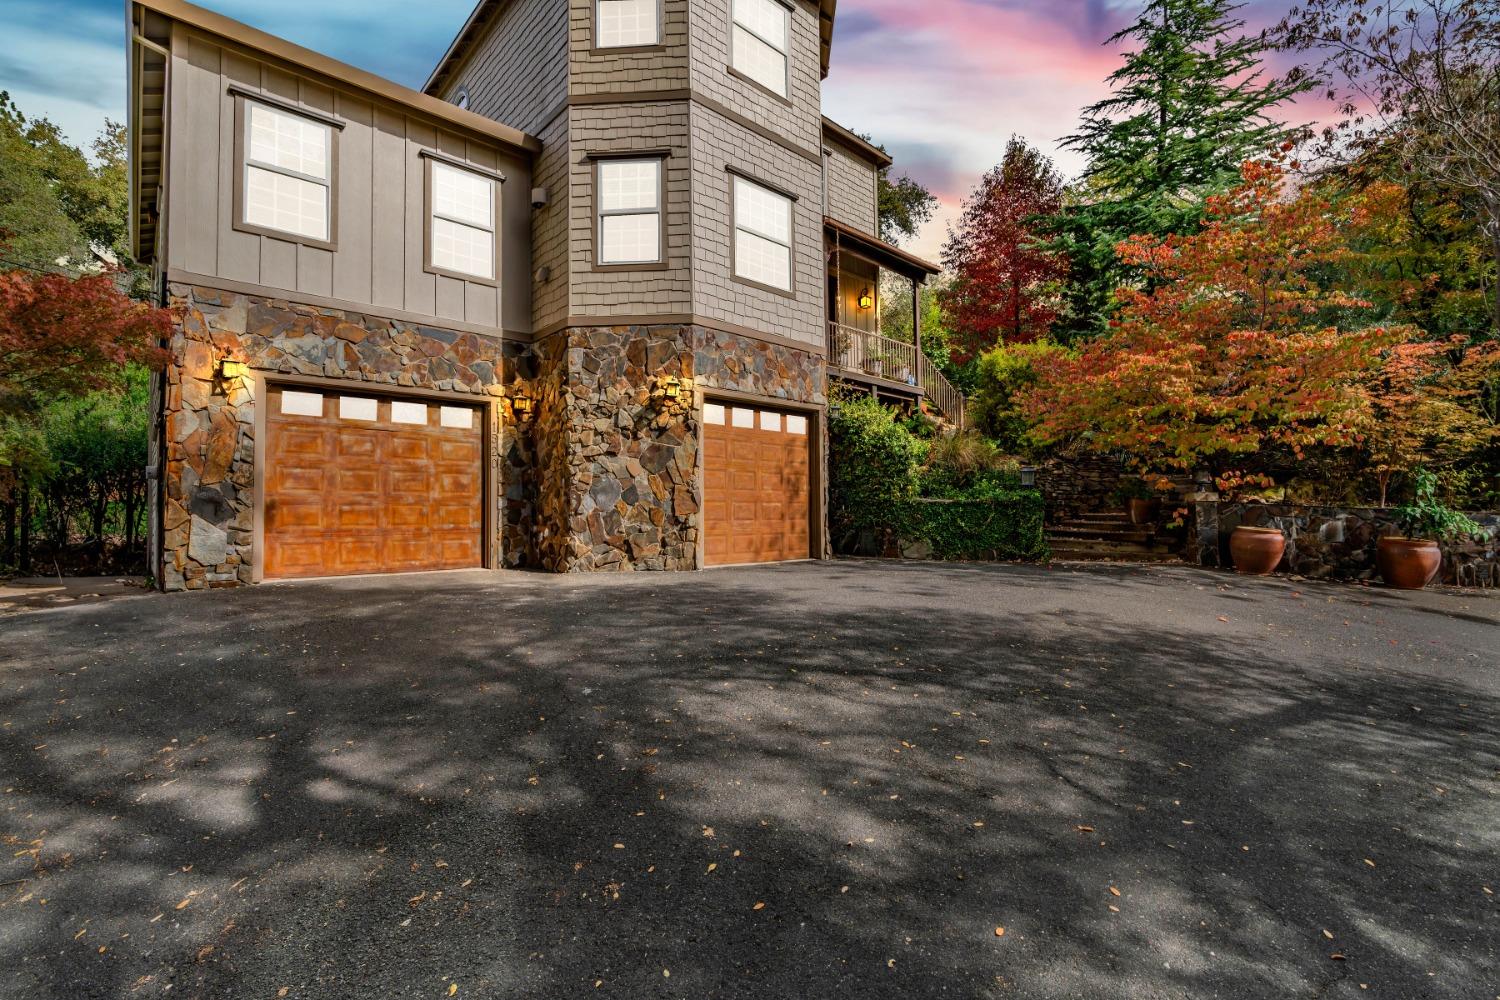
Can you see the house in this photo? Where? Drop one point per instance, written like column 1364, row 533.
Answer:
column 575, row 305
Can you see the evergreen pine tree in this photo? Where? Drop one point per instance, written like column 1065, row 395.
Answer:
column 1190, row 104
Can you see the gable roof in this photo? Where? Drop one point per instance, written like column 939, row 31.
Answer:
column 856, row 142
column 485, row 12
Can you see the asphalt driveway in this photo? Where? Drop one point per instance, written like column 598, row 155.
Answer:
column 806, row 781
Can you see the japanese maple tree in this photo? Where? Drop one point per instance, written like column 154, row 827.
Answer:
column 1238, row 344
column 1004, row 280
column 64, row 336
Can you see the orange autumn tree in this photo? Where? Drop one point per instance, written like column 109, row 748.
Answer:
column 1432, row 405
column 1235, row 342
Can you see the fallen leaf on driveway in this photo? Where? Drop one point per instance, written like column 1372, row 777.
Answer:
column 999, row 932
column 452, row 988
column 1369, row 862
column 1337, row 956
column 1223, row 618
column 1328, row 934
column 758, row 906
column 1113, row 891
column 1084, row 829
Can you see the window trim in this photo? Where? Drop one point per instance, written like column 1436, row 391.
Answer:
column 656, row 46
column 242, row 99
column 786, row 53
column 660, row 157
column 497, row 180
column 736, row 176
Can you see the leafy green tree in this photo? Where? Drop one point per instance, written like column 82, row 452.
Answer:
column 1003, row 374
column 1190, row 104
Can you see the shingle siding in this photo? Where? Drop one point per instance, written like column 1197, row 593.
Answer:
column 718, row 145
column 518, row 73
column 549, row 227
column 625, row 128
column 852, row 190
column 623, row 72
column 801, row 121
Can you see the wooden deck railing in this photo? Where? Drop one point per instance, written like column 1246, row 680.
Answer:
column 857, row 350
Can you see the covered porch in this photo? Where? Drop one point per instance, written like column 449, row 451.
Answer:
column 875, row 322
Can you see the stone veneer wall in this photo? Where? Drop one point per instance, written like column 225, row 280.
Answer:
column 1081, row 484
column 209, row 475
column 603, row 475
column 619, row 486
column 1338, row 543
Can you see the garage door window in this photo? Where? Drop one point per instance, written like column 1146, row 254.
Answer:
column 458, row 416
column 358, row 408
column 796, row 425
column 408, row 413
column 302, row 404
column 713, row 413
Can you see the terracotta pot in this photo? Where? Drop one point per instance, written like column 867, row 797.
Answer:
column 1144, row 511
column 1408, row 563
column 1256, row 551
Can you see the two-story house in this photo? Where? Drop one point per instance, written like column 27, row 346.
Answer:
column 574, row 306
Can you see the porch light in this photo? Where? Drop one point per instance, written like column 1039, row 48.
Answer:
column 672, row 386
column 1028, row 476
column 866, row 299
column 1204, row 480
column 521, row 406
column 230, row 370
column 834, row 409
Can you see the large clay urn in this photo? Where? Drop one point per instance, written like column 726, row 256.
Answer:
column 1256, row 551
column 1408, row 563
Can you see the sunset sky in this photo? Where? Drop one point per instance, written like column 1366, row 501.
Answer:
column 942, row 83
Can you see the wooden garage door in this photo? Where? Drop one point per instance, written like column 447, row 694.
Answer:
column 356, row 484
column 756, row 485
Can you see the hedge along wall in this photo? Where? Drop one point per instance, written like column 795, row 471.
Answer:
column 1338, row 543
column 1005, row 527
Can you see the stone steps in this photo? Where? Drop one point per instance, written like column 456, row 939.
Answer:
column 1105, row 537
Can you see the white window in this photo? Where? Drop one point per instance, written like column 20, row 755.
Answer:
column 742, row 418
column 358, row 408
column 463, row 222
column 759, row 49
column 713, row 413
column 408, row 413
column 627, row 22
column 770, row 421
column 796, row 425
column 629, row 211
column 762, row 235
column 457, row 416
column 288, row 172
column 301, row 404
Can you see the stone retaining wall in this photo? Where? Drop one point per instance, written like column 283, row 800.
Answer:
column 1082, row 484
column 1339, row 543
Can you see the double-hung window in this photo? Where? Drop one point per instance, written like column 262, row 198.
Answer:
column 762, row 235
column 629, row 212
column 759, row 48
column 288, row 179
column 626, row 23
column 462, row 208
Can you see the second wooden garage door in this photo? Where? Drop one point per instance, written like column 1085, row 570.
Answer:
column 756, row 485
column 356, row 484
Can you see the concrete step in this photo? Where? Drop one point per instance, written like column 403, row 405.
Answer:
column 1101, row 532
column 1106, row 516
column 1102, row 545
column 1089, row 553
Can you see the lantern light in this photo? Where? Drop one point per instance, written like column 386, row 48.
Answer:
column 866, row 299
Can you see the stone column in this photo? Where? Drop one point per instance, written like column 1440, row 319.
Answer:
column 1205, row 542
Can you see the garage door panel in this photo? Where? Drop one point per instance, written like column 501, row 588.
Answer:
column 350, row 497
column 756, row 479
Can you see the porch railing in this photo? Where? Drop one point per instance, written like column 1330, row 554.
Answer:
column 857, row 350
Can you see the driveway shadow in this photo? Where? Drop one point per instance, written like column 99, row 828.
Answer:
column 808, row 781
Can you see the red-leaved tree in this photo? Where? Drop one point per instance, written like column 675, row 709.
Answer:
column 65, row 336
column 1004, row 284
column 1238, row 344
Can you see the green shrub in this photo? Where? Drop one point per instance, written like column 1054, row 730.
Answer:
column 1001, row 374
column 964, row 466
column 872, row 465
column 1004, row 524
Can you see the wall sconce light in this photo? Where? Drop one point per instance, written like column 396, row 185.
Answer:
column 1204, row 480
column 229, row 370
column 1028, row 476
column 521, row 407
column 866, row 299
column 672, row 386
column 834, row 409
